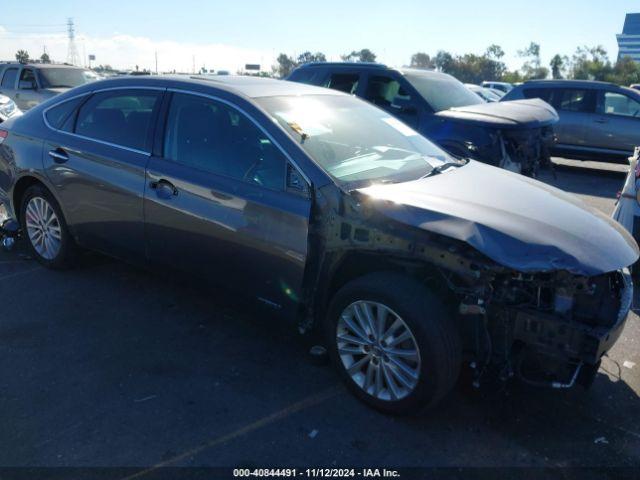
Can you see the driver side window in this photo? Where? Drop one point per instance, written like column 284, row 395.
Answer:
column 213, row 137
column 619, row 104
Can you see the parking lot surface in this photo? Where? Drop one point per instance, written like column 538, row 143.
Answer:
column 109, row 365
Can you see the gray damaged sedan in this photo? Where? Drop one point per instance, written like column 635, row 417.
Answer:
column 336, row 215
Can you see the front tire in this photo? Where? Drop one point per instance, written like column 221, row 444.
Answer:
column 393, row 343
column 45, row 229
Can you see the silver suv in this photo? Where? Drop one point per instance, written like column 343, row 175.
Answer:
column 30, row 84
column 598, row 120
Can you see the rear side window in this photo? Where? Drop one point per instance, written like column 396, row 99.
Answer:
column 119, row 117
column 541, row 93
column 57, row 116
column 345, row 82
column 9, row 78
column 213, row 137
column 574, row 100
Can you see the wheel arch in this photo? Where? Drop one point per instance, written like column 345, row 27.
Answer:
column 23, row 183
column 347, row 266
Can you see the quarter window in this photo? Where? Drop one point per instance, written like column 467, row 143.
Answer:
column 9, row 78
column 619, row 104
column 121, row 117
column 59, row 114
column 210, row 136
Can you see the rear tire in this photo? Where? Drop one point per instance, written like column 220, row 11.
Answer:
column 422, row 379
column 45, row 229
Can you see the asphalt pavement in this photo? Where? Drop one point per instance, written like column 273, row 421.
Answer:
column 109, row 365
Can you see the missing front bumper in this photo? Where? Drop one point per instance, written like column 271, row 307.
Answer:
column 571, row 340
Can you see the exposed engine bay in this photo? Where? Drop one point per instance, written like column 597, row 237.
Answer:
column 526, row 151
column 544, row 319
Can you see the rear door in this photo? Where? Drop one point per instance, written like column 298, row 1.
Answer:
column 616, row 124
column 95, row 156
column 220, row 203
column 575, row 107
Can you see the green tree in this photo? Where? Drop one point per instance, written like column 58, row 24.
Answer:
column 494, row 52
column 558, row 65
column 472, row 68
column 532, row 68
column 591, row 63
column 44, row 58
column 421, row 60
column 284, row 65
column 625, row 72
column 308, row 57
column 22, row 56
column 444, row 61
column 364, row 55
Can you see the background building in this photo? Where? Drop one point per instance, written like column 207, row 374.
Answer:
column 629, row 39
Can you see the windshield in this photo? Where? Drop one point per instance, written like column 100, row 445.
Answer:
column 355, row 142
column 442, row 92
column 64, row 77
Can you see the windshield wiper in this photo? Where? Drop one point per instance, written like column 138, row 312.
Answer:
column 442, row 168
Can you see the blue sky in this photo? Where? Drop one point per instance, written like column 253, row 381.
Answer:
column 225, row 34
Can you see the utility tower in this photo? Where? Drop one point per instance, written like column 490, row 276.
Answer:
column 72, row 50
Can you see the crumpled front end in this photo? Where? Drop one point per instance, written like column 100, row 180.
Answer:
column 547, row 329
column 526, row 151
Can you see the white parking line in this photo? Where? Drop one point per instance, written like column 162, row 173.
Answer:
column 263, row 422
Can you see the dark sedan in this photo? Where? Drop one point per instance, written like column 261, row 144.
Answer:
column 333, row 213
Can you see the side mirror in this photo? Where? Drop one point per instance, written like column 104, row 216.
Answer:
column 404, row 105
column 27, row 85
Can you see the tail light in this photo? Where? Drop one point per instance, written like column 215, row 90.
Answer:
column 3, row 135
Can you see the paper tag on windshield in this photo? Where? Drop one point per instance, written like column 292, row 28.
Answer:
column 399, row 126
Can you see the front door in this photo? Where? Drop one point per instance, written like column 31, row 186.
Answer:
column 616, row 124
column 217, row 203
column 98, row 168
column 390, row 93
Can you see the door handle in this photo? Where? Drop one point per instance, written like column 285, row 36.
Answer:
column 58, row 155
column 164, row 188
column 601, row 120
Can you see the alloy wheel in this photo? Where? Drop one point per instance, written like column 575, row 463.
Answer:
column 378, row 350
column 43, row 228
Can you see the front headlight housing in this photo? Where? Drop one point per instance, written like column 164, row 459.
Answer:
column 7, row 107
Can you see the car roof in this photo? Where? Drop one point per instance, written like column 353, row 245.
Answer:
column 344, row 64
column 247, row 86
column 572, row 83
column 39, row 65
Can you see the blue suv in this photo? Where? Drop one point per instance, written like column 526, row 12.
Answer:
column 513, row 135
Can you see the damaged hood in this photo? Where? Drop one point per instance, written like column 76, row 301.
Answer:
column 516, row 114
column 516, row 221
